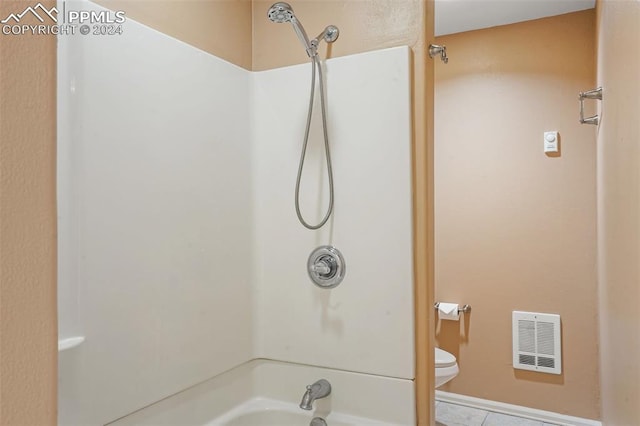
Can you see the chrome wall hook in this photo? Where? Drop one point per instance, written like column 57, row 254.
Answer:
column 435, row 50
column 589, row 94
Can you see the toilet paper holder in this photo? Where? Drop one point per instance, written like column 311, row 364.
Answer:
column 464, row 309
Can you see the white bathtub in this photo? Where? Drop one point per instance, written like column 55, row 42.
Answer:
column 267, row 393
column 265, row 411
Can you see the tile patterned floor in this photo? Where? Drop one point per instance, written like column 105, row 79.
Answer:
column 459, row 415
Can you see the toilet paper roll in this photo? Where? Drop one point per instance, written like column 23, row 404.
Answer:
column 448, row 311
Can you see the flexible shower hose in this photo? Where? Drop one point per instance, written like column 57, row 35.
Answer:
column 315, row 62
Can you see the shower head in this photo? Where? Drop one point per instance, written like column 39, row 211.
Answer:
column 282, row 12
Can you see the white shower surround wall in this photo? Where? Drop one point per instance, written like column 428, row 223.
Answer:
column 183, row 256
column 164, row 239
column 366, row 323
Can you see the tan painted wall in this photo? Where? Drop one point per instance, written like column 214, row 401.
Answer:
column 619, row 210
column 220, row 27
column 28, row 331
column 515, row 229
column 239, row 31
column 364, row 25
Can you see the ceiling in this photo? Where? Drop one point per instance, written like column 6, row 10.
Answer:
column 455, row 16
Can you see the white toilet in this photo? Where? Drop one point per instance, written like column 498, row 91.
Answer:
column 446, row 367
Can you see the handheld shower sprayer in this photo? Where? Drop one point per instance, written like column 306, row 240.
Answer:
column 282, row 12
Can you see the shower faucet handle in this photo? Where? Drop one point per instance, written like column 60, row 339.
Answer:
column 326, row 267
column 322, row 267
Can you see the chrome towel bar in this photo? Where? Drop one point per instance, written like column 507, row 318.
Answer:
column 589, row 94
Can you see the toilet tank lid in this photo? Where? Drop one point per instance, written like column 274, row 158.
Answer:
column 444, row 358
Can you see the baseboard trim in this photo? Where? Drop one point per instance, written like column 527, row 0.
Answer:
column 514, row 410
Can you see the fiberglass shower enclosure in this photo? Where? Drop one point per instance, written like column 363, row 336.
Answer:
column 181, row 256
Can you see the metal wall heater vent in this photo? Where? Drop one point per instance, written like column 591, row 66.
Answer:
column 536, row 342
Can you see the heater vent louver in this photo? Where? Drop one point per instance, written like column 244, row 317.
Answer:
column 536, row 342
